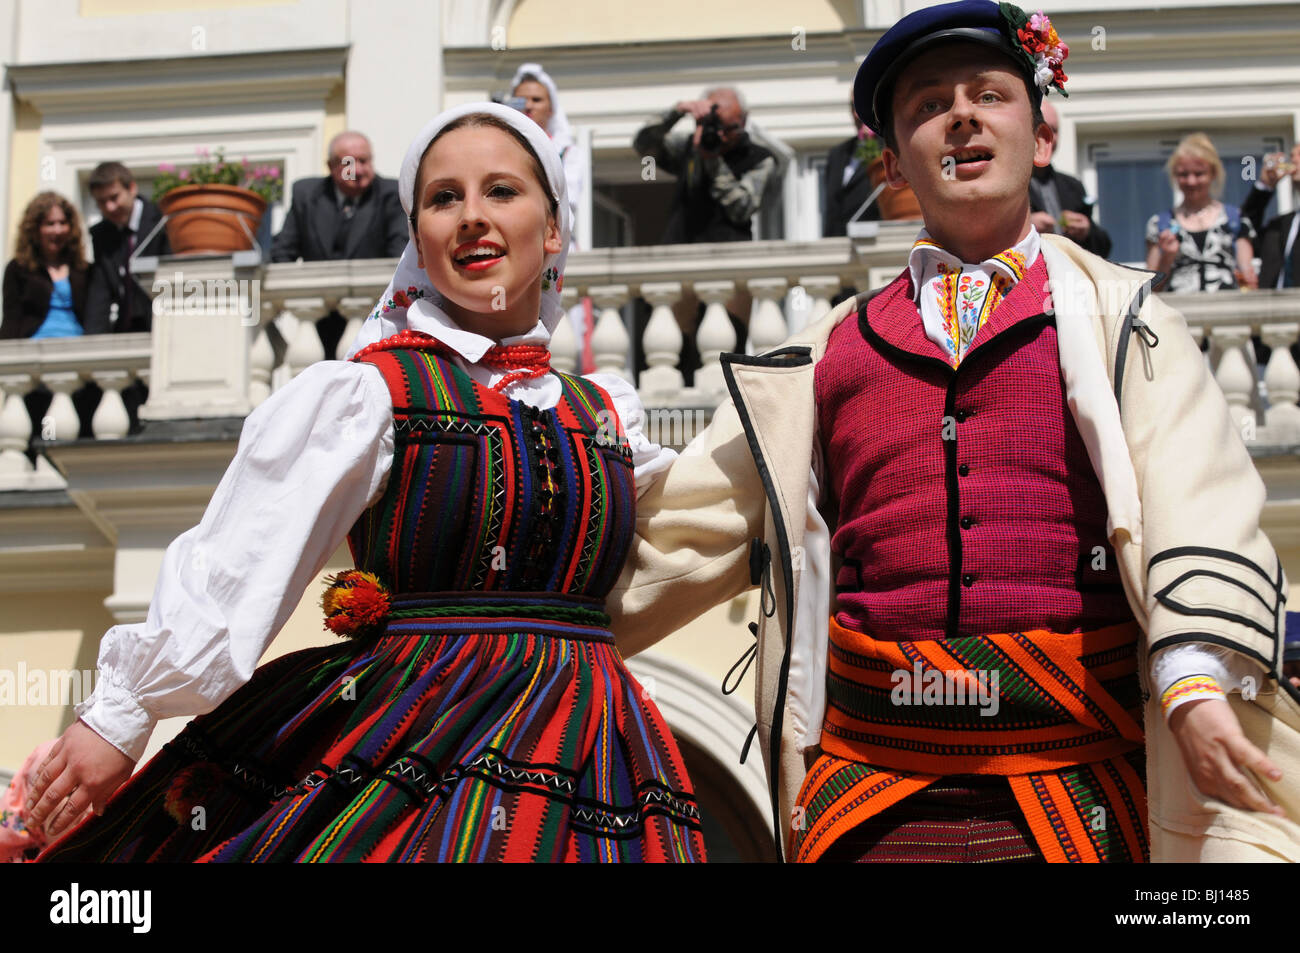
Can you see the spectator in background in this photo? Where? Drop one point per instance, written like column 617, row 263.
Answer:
column 720, row 185
column 350, row 213
column 128, row 219
column 1278, row 246
column 1202, row 245
column 45, row 283
column 1058, row 203
column 846, row 183
column 541, row 104
column 45, row 287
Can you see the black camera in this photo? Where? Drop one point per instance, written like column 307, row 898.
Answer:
column 711, row 131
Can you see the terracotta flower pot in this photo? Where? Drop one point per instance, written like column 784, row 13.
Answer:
column 894, row 203
column 197, row 228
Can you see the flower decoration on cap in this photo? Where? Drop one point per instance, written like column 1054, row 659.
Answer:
column 356, row 603
column 1038, row 42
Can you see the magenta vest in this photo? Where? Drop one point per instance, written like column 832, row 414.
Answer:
column 967, row 504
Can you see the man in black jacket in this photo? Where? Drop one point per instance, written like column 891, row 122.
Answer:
column 350, row 213
column 846, row 183
column 1277, row 244
column 720, row 189
column 128, row 218
column 1058, row 203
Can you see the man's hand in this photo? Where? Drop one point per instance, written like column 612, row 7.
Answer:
column 1271, row 173
column 1218, row 756
column 80, row 773
column 1043, row 222
column 1077, row 225
column 695, row 108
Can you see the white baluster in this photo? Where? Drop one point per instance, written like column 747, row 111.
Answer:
column 305, row 348
column 61, row 421
column 15, row 427
column 610, row 342
column 356, row 310
column 111, row 420
column 661, row 379
column 1235, row 377
column 767, row 326
column 564, row 342
column 261, row 361
column 714, row 336
column 1282, row 378
column 821, row 288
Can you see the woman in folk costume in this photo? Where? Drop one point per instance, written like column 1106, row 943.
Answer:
column 541, row 103
column 1017, row 604
column 479, row 710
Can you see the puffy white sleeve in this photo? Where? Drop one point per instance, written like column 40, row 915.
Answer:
column 310, row 460
column 648, row 458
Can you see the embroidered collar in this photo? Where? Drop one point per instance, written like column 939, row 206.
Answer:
column 927, row 255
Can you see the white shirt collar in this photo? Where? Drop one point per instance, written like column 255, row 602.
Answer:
column 137, row 209
column 924, row 259
column 423, row 316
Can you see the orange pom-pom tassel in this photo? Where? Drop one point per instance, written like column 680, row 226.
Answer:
column 356, row 603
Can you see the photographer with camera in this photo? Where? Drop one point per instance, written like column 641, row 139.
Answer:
column 721, row 173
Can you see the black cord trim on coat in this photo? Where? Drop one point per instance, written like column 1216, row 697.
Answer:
column 1241, row 620
column 1184, row 637
column 783, row 541
column 1130, row 324
column 1193, row 573
column 746, row 658
column 1225, row 554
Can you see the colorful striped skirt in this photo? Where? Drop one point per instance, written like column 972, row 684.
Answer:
column 1058, row 716
column 497, row 728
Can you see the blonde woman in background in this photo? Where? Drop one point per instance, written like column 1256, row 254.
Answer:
column 1202, row 245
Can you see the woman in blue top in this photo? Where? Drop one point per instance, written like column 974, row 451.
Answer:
column 45, row 292
column 45, row 283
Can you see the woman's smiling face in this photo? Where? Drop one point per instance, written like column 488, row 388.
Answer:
column 483, row 229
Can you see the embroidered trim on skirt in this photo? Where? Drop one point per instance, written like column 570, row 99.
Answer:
column 502, row 728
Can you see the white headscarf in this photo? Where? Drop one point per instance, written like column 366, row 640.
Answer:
column 558, row 124
column 410, row 285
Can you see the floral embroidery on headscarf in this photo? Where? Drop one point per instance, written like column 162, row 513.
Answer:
column 400, row 299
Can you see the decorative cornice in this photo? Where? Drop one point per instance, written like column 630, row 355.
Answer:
column 226, row 80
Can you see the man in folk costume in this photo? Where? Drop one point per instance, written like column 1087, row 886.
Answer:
column 1041, row 525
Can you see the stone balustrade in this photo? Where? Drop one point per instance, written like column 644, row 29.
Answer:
column 211, row 359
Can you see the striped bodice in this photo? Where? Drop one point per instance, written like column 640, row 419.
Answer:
column 490, row 494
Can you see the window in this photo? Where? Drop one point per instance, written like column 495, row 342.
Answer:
column 1131, row 184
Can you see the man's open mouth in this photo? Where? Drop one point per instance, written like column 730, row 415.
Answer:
column 965, row 156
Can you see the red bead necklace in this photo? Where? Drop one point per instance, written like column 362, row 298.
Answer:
column 527, row 360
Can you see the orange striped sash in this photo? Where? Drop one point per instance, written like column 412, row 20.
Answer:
column 1057, row 714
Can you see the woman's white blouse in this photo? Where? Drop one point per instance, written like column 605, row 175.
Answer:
column 311, row 459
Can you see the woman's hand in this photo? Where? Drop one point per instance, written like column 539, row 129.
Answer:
column 1168, row 244
column 1217, row 755
column 1246, row 264
column 80, row 774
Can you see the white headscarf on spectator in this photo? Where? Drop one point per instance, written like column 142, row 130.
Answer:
column 410, row 286
column 558, row 125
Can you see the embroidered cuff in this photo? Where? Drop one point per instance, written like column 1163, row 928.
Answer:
column 117, row 716
column 1191, row 688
